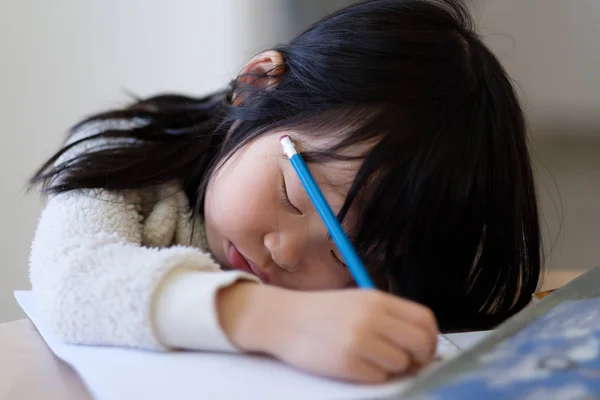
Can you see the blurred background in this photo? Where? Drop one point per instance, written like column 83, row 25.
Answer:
column 64, row 59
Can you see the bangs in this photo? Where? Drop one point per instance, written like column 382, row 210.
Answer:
column 416, row 209
column 374, row 209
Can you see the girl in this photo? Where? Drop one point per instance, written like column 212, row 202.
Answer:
column 165, row 215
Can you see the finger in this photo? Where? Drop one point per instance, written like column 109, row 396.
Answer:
column 419, row 343
column 414, row 313
column 384, row 355
column 363, row 371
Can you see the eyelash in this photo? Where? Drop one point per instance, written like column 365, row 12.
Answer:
column 285, row 198
column 335, row 257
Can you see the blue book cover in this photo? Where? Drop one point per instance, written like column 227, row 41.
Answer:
column 556, row 357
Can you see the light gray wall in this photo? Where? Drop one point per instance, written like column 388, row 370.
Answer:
column 568, row 171
column 62, row 59
column 552, row 50
column 301, row 14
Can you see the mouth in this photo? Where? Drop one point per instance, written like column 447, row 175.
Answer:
column 237, row 261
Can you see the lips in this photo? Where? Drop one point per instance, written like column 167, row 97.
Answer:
column 239, row 262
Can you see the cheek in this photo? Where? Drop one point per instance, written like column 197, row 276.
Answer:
column 317, row 273
column 240, row 197
column 315, row 281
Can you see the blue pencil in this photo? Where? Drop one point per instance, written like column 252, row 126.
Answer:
column 355, row 265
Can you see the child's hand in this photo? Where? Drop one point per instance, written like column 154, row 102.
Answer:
column 353, row 334
column 357, row 335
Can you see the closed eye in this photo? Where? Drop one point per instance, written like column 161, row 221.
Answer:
column 338, row 260
column 284, row 197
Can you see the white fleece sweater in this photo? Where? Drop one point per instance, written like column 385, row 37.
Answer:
column 123, row 269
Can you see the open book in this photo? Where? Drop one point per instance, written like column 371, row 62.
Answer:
column 117, row 373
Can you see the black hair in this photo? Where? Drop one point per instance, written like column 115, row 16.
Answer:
column 445, row 197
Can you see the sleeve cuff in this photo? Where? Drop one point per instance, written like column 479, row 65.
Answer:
column 185, row 314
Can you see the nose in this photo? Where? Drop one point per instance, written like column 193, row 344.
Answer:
column 286, row 248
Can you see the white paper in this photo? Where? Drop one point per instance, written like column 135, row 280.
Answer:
column 466, row 340
column 118, row 373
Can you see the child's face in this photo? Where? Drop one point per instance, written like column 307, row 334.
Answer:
column 251, row 227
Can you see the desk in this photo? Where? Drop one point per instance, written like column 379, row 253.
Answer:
column 29, row 370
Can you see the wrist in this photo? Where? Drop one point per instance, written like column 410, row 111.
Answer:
column 249, row 314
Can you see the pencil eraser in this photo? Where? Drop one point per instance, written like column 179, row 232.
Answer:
column 288, row 146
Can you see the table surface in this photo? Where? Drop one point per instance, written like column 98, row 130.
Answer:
column 29, row 370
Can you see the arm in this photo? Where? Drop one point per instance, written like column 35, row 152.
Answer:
column 97, row 284
column 359, row 335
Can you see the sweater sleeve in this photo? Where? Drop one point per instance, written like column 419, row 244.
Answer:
column 96, row 284
column 185, row 310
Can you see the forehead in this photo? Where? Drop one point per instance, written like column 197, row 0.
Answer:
column 264, row 156
column 329, row 172
column 334, row 176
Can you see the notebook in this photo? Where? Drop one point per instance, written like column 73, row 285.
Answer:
column 549, row 350
column 117, row 373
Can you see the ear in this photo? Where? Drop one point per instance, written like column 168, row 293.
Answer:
column 262, row 72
